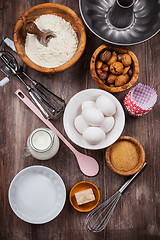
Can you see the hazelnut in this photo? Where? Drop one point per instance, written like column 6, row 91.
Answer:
column 99, row 64
column 105, row 56
column 103, row 75
column 126, row 69
column 116, row 68
column 119, row 57
column 112, row 60
column 114, row 53
column 98, row 71
column 111, row 78
column 130, row 72
column 121, row 80
column 126, row 60
column 105, row 68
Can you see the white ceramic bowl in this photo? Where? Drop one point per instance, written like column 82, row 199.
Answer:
column 37, row 194
column 73, row 109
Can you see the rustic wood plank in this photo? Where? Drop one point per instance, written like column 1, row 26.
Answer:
column 137, row 214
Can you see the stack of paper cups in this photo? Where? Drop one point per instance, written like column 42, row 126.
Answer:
column 140, row 100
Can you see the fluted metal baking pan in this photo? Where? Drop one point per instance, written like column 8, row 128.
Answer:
column 145, row 24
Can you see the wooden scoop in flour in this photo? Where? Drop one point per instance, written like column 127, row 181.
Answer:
column 43, row 37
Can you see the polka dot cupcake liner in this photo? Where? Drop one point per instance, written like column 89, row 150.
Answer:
column 140, row 100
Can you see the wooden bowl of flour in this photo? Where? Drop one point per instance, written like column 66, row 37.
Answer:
column 49, row 8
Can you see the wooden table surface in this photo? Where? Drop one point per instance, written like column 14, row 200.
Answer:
column 137, row 215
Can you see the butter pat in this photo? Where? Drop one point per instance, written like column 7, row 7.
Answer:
column 85, row 196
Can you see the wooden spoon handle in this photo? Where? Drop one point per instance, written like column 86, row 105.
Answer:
column 33, row 29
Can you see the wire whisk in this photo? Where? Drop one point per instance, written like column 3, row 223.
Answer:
column 98, row 218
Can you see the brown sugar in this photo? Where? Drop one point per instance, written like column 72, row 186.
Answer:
column 124, row 155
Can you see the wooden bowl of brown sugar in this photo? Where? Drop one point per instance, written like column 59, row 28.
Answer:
column 126, row 156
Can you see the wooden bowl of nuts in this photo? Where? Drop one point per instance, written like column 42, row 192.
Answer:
column 114, row 69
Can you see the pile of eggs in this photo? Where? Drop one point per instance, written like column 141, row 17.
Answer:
column 96, row 119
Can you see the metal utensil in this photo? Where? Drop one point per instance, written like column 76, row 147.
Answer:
column 50, row 104
column 43, row 37
column 98, row 219
column 9, row 43
column 88, row 165
column 98, row 17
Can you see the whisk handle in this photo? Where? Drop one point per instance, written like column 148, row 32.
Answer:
column 121, row 190
column 47, row 92
column 34, row 97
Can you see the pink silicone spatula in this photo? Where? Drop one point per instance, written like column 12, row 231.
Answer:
column 88, row 165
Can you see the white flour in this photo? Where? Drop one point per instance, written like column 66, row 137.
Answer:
column 59, row 50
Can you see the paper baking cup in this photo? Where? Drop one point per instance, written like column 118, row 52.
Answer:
column 140, row 100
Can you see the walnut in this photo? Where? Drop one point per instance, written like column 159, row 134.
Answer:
column 116, row 68
column 111, row 78
column 126, row 60
column 121, row 80
column 105, row 56
column 112, row 60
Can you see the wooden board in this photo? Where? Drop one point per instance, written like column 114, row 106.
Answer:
column 137, row 215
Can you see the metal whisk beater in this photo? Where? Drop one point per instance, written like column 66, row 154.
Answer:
column 49, row 104
column 98, row 218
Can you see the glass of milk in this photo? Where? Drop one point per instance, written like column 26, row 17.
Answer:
column 42, row 144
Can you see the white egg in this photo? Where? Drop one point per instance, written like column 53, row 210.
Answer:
column 80, row 124
column 88, row 104
column 106, row 105
column 93, row 135
column 108, row 124
column 93, row 116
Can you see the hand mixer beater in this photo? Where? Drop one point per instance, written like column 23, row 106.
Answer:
column 49, row 104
